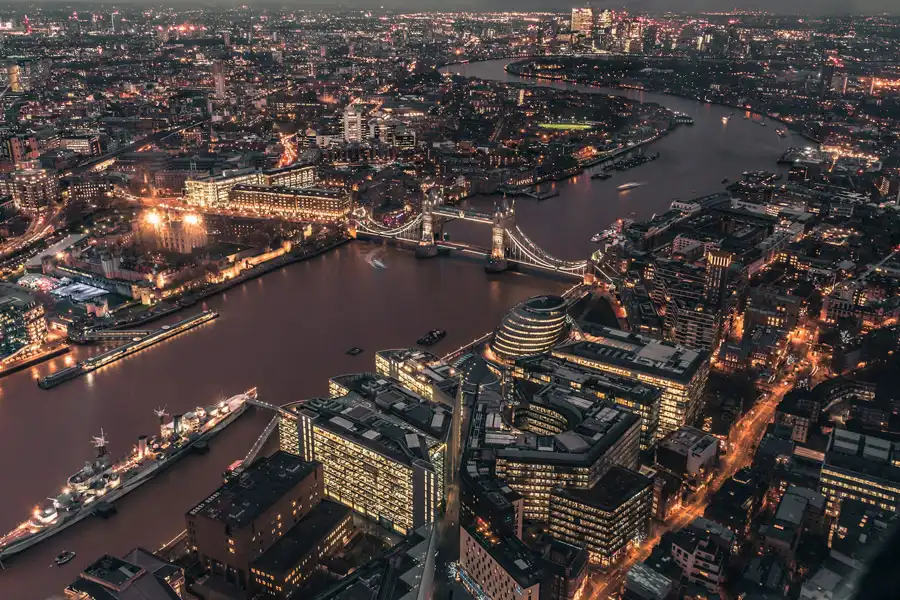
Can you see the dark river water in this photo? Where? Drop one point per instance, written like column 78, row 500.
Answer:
column 289, row 331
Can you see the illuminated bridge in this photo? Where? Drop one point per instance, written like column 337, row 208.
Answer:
column 509, row 244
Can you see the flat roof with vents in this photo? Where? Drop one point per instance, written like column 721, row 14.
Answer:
column 244, row 498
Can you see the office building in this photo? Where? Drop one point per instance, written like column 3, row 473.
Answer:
column 639, row 398
column 717, row 264
column 488, row 499
column 140, row 574
column 565, row 571
column 863, row 468
column 531, row 327
column 306, row 204
column 419, row 371
column 294, row 557
column 570, row 441
column 383, row 448
column 504, row 568
column 582, row 21
column 34, row 190
column 688, row 452
column 242, row 519
column 219, row 79
column 605, row 519
column 679, row 372
column 15, row 79
column 86, row 145
column 355, row 124
column 23, row 323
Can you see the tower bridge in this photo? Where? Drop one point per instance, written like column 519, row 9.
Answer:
column 509, row 244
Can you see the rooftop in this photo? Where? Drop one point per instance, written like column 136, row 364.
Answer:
column 636, row 352
column 594, row 425
column 302, row 538
column 512, row 554
column 563, row 372
column 381, row 415
column 242, row 500
column 111, row 578
column 293, row 191
column 648, row 583
column 687, row 440
column 612, row 490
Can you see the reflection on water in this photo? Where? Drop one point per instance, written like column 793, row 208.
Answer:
column 285, row 333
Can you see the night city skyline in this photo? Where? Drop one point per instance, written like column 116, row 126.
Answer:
column 469, row 301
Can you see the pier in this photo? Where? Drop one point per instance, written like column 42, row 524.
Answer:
column 111, row 356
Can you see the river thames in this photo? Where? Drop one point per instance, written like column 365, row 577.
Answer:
column 289, row 331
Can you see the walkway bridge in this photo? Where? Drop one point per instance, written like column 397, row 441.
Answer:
column 509, row 244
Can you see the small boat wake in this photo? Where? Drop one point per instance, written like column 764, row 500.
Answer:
column 374, row 259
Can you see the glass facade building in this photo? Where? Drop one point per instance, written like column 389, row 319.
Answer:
column 531, row 327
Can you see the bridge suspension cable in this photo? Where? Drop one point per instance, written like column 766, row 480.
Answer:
column 366, row 224
column 534, row 252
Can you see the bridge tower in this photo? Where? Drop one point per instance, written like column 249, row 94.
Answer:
column 504, row 218
column 426, row 247
column 590, row 276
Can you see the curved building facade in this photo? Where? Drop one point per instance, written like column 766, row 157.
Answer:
column 531, row 327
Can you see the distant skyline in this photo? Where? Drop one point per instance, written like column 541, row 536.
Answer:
column 783, row 7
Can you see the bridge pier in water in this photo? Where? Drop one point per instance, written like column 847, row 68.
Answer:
column 504, row 219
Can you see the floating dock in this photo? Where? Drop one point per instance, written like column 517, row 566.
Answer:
column 111, row 356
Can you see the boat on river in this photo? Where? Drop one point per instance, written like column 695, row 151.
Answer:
column 103, row 480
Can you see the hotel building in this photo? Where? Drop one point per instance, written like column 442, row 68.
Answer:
column 605, row 519
column 383, row 448
column 306, row 204
column 212, row 191
column 680, row 373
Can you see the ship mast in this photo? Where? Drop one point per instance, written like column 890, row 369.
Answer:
column 161, row 413
column 99, row 443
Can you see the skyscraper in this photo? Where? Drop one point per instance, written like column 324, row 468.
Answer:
column 717, row 264
column 355, row 125
column 583, row 21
